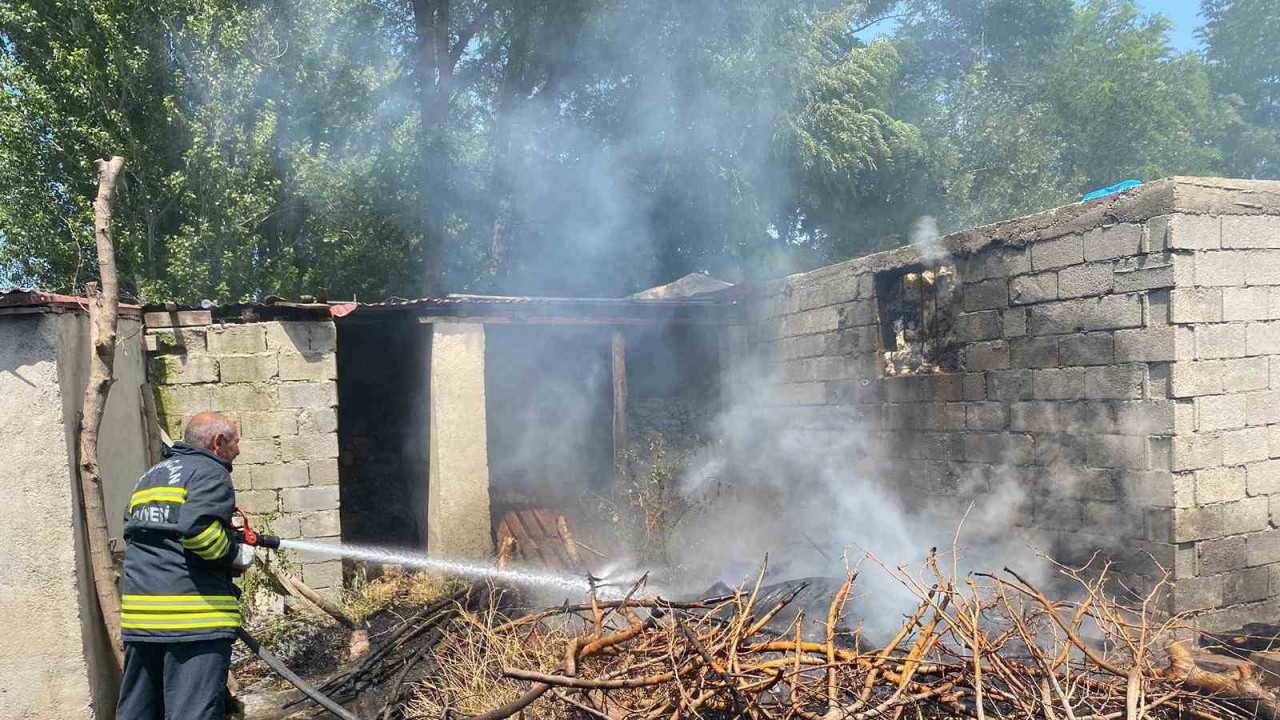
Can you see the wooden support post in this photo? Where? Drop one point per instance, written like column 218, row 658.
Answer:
column 619, row 406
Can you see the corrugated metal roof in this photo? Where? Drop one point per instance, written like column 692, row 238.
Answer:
column 31, row 297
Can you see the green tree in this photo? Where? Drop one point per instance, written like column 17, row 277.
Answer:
column 1241, row 37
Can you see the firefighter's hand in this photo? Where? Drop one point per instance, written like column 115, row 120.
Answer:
column 244, row 557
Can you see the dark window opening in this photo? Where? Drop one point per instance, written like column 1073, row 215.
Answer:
column 918, row 308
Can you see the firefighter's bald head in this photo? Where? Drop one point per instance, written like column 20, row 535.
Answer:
column 213, row 432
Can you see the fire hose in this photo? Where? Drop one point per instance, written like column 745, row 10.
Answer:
column 247, row 535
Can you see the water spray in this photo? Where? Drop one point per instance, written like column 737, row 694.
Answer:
column 463, row 568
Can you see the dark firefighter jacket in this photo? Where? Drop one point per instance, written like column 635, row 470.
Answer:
column 177, row 572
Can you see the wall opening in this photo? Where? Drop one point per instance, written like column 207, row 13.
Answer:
column 917, row 311
column 383, row 415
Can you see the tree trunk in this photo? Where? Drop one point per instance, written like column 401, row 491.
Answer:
column 435, row 71
column 103, row 310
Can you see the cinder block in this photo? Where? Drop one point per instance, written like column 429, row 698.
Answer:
column 1059, row 384
column 1196, row 594
column 1158, row 380
column 996, row 262
column 257, row 452
column 1117, row 451
column 268, row 424
column 1263, row 338
column 317, row 421
column 323, row 575
column 1246, row 585
column 1110, row 312
column 180, row 318
column 1115, row 241
column 283, row 335
column 1245, row 374
column 974, row 326
column 237, row 339
column 1155, row 234
column 1184, row 417
column 1010, row 385
column 1194, row 232
column 1263, row 478
column 308, row 394
column 1147, row 272
column 986, row 416
column 280, row 475
column 1050, row 254
column 1145, row 417
column 1197, row 523
column 974, row 386
column 1219, row 485
column 1262, row 407
column 1189, row 379
column 1160, row 453
column 308, row 367
column 861, row 312
column 1225, row 340
column 309, row 499
column 1273, row 440
column 986, row 295
column 1086, row 280
column 1151, row 488
column 810, row 321
column 1192, row 452
column 1033, row 352
column 285, row 526
column 1115, row 381
column 1086, row 349
column 182, row 370
column 1195, row 305
column 1250, row 231
column 1246, row 303
column 1220, row 412
column 1245, row 446
column 1263, row 267
column 320, row 524
column 983, row 356
column 999, row 448
column 1027, row 289
column 1154, row 344
column 175, row 342
column 324, row 334
column 1219, row 268
column 323, row 472
column 1100, row 515
column 1015, row 322
column 242, row 477
column 248, row 368
column 258, row 501
column 1262, row 548
column 806, row 346
column 243, row 397
column 309, row 447
column 1219, row 555
column 1057, row 451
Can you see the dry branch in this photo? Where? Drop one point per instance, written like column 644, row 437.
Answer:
column 104, row 308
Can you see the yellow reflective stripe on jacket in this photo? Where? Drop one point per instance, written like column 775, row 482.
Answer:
column 158, row 494
column 179, row 612
column 210, row 544
column 178, row 621
column 179, row 603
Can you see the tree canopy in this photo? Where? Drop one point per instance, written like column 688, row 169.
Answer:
column 386, row 148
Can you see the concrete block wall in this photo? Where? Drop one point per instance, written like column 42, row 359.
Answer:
column 1117, row 368
column 278, row 381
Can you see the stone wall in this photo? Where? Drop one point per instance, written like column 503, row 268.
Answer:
column 277, row 379
column 1117, row 360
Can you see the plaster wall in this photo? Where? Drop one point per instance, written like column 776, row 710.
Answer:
column 458, row 515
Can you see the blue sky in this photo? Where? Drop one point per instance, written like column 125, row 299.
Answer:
column 1185, row 15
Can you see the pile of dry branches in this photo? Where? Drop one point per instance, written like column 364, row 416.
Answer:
column 980, row 646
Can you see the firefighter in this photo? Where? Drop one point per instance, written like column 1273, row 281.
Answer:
column 179, row 612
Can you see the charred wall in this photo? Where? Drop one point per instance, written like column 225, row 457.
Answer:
column 1114, row 382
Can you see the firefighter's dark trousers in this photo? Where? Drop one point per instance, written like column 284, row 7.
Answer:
column 174, row 681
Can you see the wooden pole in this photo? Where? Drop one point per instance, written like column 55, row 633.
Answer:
column 619, row 406
column 104, row 307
